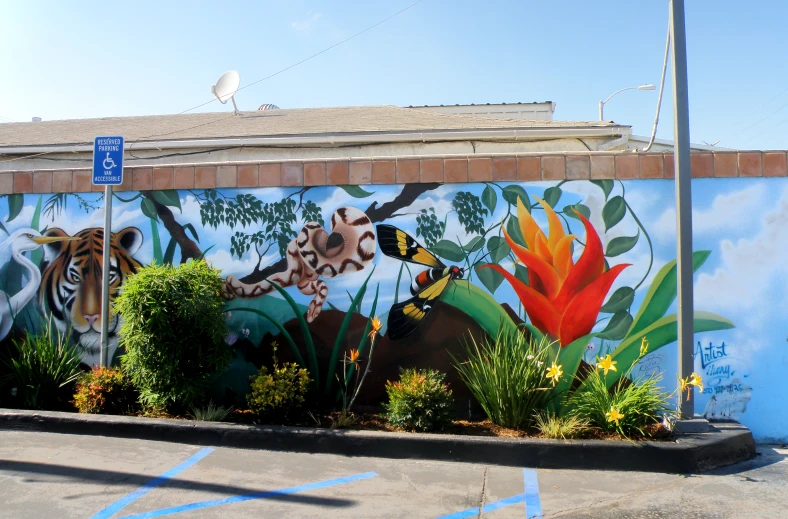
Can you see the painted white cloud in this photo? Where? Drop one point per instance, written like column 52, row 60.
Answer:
column 727, row 211
column 751, row 269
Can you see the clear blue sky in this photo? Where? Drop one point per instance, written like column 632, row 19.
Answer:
column 63, row 60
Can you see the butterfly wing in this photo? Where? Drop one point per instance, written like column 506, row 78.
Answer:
column 406, row 316
column 400, row 245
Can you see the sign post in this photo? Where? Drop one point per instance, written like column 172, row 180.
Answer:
column 107, row 171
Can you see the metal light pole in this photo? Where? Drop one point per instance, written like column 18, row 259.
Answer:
column 602, row 103
column 681, row 154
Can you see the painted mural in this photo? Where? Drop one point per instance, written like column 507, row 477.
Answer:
column 588, row 263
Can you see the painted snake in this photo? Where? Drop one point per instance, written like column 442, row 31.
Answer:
column 316, row 253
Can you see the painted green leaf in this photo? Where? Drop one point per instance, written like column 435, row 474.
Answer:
column 569, row 210
column 202, row 255
column 491, row 279
column 604, row 185
column 663, row 292
column 169, row 254
column 149, row 209
column 620, row 245
column 37, row 254
column 620, row 300
column 282, row 331
column 15, row 204
column 2, row 227
column 569, row 358
column 479, row 306
column 617, row 327
column 489, row 198
column 552, row 195
column 614, row 211
column 475, row 244
column 190, row 227
column 513, row 228
column 521, row 273
column 498, row 248
column 154, row 231
column 660, row 333
column 168, row 197
column 513, row 192
column 356, row 191
column 448, row 250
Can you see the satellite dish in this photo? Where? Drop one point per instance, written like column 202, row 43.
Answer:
column 226, row 88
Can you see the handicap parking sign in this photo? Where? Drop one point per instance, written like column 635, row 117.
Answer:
column 108, row 161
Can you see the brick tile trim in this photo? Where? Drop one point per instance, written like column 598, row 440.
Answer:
column 554, row 166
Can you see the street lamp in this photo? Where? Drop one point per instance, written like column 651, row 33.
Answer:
column 602, row 103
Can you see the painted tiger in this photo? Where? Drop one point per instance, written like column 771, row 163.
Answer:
column 70, row 288
column 316, row 253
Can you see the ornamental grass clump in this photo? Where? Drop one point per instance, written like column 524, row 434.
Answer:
column 419, row 401
column 173, row 332
column 506, row 375
column 628, row 407
column 106, row 391
column 561, row 427
column 278, row 396
column 44, row 368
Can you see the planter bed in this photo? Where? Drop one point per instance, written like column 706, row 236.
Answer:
column 725, row 444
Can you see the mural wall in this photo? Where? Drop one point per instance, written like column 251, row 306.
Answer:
column 436, row 263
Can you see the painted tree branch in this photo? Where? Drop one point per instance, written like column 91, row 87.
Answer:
column 408, row 195
column 189, row 249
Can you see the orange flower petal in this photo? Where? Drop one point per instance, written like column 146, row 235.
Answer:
column 555, row 227
column 542, row 313
column 582, row 312
column 548, row 283
column 562, row 256
column 543, row 248
column 589, row 267
column 528, row 226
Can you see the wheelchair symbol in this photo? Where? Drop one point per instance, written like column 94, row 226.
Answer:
column 108, row 162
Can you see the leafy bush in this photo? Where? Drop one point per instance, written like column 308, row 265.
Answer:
column 276, row 396
column 106, row 391
column 506, row 376
column 173, row 331
column 561, row 427
column 420, row 401
column 211, row 413
column 626, row 408
column 44, row 369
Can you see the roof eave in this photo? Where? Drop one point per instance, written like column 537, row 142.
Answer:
column 502, row 134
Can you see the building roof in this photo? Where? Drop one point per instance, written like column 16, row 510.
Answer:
column 369, row 121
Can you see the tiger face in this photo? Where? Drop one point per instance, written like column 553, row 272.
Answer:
column 70, row 288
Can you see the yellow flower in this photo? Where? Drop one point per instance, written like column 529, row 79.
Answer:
column 696, row 380
column 606, row 364
column 554, row 372
column 375, row 322
column 614, row 415
column 643, row 347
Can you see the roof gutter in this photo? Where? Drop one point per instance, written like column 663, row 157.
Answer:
column 335, row 139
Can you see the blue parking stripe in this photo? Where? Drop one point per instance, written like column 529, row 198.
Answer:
column 533, row 504
column 489, row 507
column 249, row 497
column 150, row 485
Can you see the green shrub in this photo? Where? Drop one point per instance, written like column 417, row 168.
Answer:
column 561, row 427
column 44, row 368
column 211, row 413
column 625, row 408
column 419, row 401
column 173, row 332
column 506, row 376
column 106, row 391
column 279, row 395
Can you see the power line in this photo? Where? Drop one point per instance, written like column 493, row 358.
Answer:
column 762, row 119
column 65, row 148
column 315, row 55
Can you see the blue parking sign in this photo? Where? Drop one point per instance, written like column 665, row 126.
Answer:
column 108, row 161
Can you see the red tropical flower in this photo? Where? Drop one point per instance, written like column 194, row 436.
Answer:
column 562, row 298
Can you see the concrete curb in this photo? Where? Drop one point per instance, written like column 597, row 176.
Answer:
column 727, row 443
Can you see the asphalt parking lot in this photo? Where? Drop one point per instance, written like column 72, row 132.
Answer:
column 44, row 475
